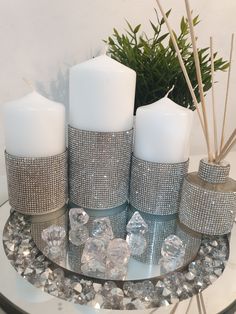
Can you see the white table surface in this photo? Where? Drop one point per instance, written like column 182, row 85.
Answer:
column 31, row 300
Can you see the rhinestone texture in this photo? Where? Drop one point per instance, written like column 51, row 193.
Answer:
column 99, row 167
column 207, row 211
column 37, row 185
column 36, row 269
column 155, row 188
column 213, row 173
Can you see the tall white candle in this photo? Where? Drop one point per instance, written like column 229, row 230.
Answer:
column 162, row 132
column 102, row 93
column 34, row 126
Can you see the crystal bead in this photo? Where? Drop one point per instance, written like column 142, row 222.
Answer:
column 78, row 217
column 95, row 248
column 79, row 235
column 136, row 224
column 172, row 247
column 137, row 243
column 54, row 236
column 102, row 228
column 118, row 252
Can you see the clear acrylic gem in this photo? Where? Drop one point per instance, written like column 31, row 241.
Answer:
column 95, row 248
column 54, row 235
column 94, row 268
column 79, row 235
column 136, row 224
column 137, row 243
column 102, row 228
column 118, row 251
column 169, row 264
column 78, row 217
column 172, row 247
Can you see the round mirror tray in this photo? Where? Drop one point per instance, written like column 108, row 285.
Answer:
column 144, row 287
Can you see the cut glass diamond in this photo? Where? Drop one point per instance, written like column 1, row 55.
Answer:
column 136, row 224
column 78, row 217
column 137, row 243
column 102, row 228
column 54, row 235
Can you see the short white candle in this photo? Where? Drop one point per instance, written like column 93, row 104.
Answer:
column 162, row 132
column 102, row 93
column 34, row 126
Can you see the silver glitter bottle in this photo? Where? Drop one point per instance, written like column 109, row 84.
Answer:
column 208, row 203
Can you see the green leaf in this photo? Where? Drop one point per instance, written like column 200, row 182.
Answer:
column 137, row 28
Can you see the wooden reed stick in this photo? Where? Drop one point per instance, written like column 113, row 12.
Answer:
column 199, row 78
column 213, row 99
column 222, row 156
column 227, row 144
column 227, row 93
column 182, row 66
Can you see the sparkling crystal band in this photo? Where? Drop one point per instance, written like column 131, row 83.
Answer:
column 207, row 211
column 99, row 167
column 155, row 188
column 213, row 173
column 37, row 185
column 159, row 228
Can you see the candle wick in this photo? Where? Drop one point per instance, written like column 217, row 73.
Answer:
column 169, row 91
column 29, row 83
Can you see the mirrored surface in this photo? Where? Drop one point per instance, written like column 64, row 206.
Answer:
column 139, row 267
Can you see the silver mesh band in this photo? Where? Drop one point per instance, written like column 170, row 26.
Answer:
column 207, row 211
column 155, row 188
column 213, row 173
column 159, row 228
column 99, row 167
column 37, row 185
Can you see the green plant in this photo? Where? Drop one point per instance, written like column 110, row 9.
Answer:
column 156, row 64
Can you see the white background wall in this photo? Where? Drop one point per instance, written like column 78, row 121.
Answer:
column 40, row 40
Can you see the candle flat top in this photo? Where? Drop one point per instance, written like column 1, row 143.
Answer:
column 102, row 63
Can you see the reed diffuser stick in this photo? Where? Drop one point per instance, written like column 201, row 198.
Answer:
column 182, row 66
column 227, row 94
column 227, row 144
column 199, row 78
column 213, row 99
column 222, row 156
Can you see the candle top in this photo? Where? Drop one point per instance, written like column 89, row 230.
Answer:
column 165, row 106
column 34, row 102
column 102, row 63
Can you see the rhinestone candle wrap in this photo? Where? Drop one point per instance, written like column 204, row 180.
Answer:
column 208, row 203
column 99, row 168
column 155, row 188
column 37, row 185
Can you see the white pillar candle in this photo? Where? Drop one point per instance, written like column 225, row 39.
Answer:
column 102, row 93
column 34, row 127
column 162, row 132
